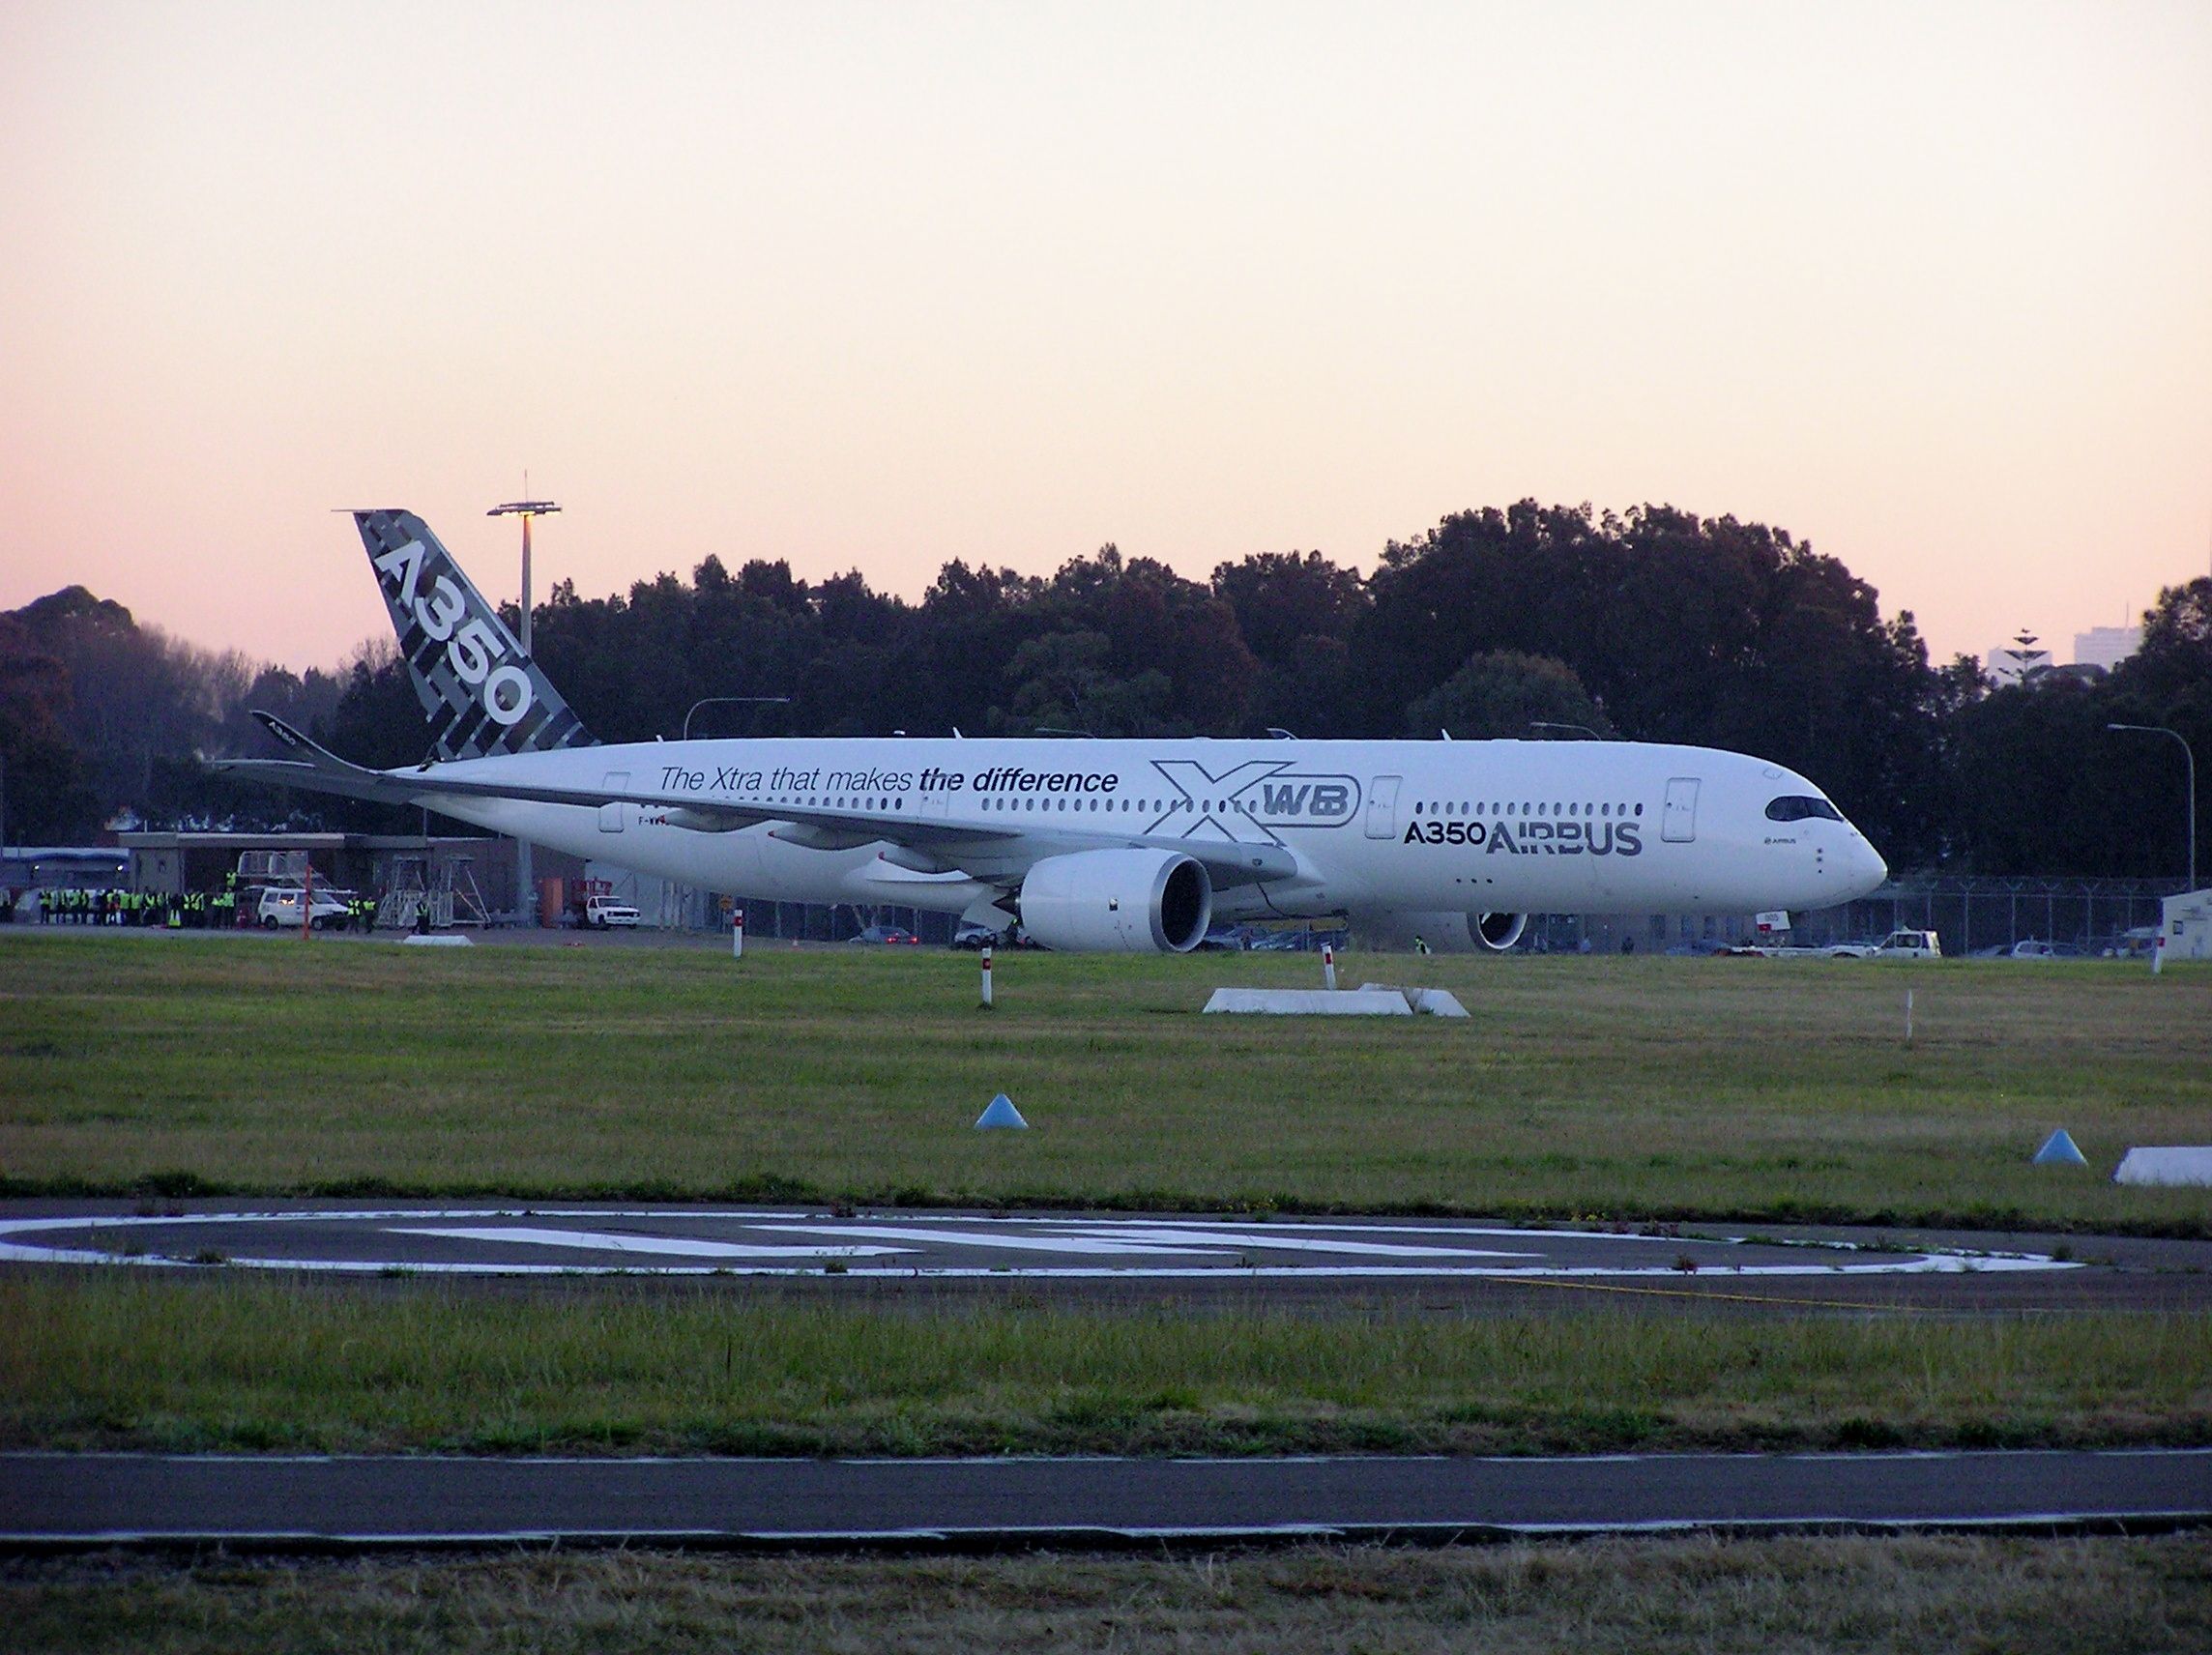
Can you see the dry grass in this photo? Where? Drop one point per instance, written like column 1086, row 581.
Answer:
column 123, row 1360
column 1625, row 1086
column 1652, row 1597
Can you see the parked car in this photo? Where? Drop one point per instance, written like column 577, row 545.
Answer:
column 2029, row 948
column 975, row 937
column 883, row 933
column 603, row 911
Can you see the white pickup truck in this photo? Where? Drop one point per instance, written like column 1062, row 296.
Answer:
column 601, row 911
column 1897, row 946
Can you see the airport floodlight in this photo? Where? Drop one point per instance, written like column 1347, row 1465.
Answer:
column 525, row 509
column 525, row 876
column 2189, row 757
column 732, row 701
column 1550, row 724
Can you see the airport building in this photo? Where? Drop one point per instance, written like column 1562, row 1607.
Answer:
column 478, row 874
column 64, row 867
column 2187, row 931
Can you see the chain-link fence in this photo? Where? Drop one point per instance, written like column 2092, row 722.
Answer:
column 2076, row 916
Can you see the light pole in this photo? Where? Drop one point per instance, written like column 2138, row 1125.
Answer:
column 732, row 701
column 2191, row 758
column 525, row 509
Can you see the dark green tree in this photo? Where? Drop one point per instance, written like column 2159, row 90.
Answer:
column 1504, row 693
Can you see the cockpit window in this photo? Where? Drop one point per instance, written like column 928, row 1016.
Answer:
column 1796, row 807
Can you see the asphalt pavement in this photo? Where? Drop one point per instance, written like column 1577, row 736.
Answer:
column 1422, row 1264
column 57, row 1500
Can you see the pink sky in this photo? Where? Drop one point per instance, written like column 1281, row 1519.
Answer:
column 880, row 285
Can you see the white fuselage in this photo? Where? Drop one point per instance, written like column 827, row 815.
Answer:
column 1371, row 826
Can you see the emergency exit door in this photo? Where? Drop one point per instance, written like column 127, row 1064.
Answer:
column 1679, row 820
column 612, row 813
column 1382, row 807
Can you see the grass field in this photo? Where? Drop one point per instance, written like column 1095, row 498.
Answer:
column 1627, row 1087
column 253, row 1363
column 1618, row 1597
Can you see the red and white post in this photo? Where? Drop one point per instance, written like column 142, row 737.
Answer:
column 738, row 934
column 987, row 1001
column 1329, row 965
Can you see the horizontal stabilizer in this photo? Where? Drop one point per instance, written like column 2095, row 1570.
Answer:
column 314, row 767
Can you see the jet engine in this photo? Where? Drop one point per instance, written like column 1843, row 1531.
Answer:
column 1117, row 902
column 1446, row 933
column 1498, row 932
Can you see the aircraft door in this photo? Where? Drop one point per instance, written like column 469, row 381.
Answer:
column 613, row 814
column 1679, row 820
column 1382, row 807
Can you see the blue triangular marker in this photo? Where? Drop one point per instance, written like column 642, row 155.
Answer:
column 1001, row 1112
column 2060, row 1150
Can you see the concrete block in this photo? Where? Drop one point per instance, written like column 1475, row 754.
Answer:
column 1435, row 1002
column 1310, row 1003
column 2189, row 1164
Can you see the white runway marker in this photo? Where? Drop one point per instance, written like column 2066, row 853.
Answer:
column 669, row 1246
column 1105, row 1246
column 1258, row 1240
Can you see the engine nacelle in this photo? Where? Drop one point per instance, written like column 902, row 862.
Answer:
column 1498, row 932
column 1117, row 902
column 1443, row 933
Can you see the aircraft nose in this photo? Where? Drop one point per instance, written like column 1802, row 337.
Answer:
column 1867, row 868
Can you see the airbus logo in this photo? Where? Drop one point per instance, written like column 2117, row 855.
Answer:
column 1254, row 803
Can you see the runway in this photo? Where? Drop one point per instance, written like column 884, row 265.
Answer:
column 1309, row 1260
column 62, row 1502
column 600, row 1240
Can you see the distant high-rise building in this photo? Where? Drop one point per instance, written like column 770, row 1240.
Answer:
column 2011, row 663
column 2105, row 646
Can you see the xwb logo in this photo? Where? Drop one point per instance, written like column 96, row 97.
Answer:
column 1254, row 803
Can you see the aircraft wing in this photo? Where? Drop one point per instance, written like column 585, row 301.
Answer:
column 318, row 769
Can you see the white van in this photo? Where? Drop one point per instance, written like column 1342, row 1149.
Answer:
column 280, row 907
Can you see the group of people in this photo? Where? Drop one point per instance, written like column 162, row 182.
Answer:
column 192, row 911
column 145, row 910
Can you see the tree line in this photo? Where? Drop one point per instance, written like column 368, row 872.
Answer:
column 1651, row 624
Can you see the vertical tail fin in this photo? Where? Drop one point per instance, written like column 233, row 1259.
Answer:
column 478, row 688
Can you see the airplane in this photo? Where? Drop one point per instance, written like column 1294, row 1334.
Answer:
column 1091, row 845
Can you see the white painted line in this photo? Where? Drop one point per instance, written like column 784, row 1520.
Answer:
column 606, row 1241
column 1100, row 1246
column 1260, row 1239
